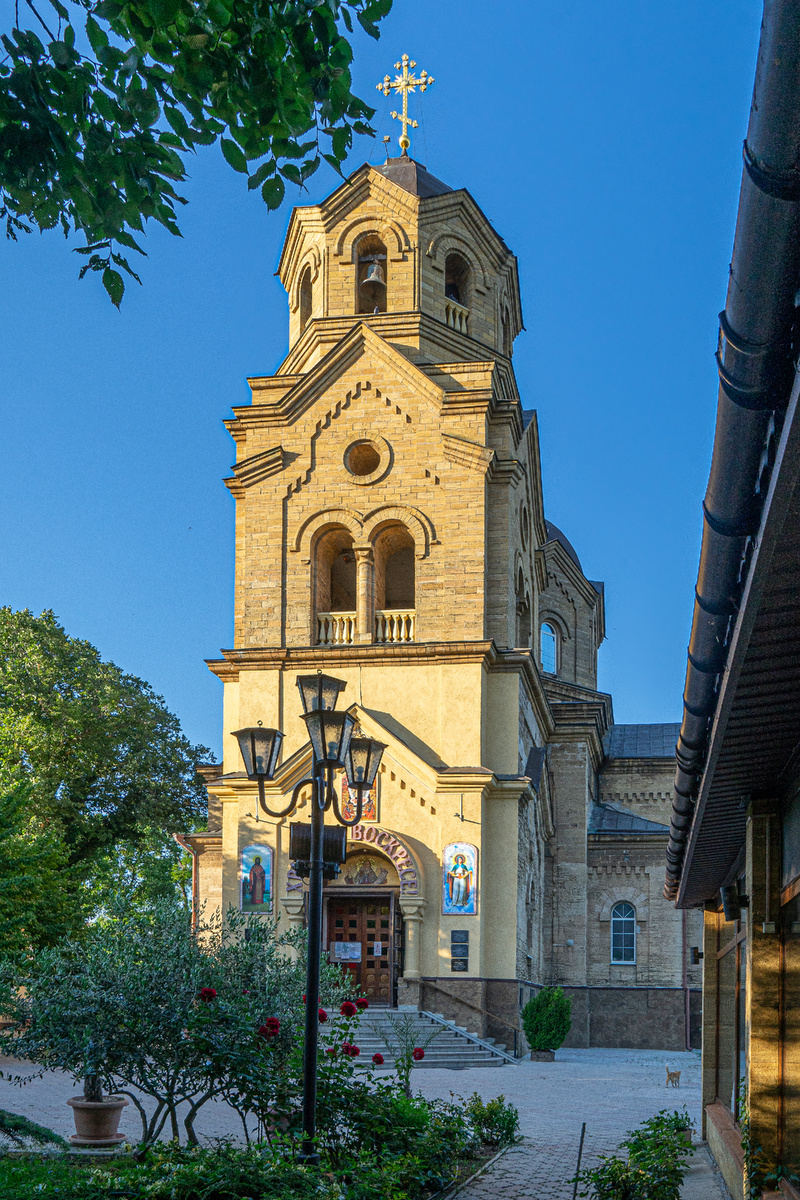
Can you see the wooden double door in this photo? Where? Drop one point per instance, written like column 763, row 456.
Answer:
column 362, row 937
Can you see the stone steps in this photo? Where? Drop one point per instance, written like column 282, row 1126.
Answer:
column 454, row 1047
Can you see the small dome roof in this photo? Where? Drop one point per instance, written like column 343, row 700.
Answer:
column 554, row 534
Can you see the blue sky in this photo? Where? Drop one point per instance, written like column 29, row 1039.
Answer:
column 604, row 143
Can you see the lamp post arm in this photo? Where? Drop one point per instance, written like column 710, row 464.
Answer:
column 292, row 805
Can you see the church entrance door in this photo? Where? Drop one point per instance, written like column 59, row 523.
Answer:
column 359, row 937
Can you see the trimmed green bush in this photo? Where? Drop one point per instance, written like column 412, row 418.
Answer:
column 546, row 1019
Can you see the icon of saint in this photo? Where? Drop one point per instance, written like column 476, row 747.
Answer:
column 459, row 882
column 258, row 881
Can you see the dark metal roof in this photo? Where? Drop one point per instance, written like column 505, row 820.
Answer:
column 413, row 177
column 642, row 741
column 527, row 416
column 535, row 765
column 612, row 818
column 554, row 534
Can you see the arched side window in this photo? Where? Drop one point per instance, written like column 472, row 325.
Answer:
column 305, row 298
column 335, row 588
column 623, row 933
column 395, row 602
column 372, row 275
column 522, row 631
column 548, row 648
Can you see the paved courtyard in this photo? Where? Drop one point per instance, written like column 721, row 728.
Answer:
column 611, row 1090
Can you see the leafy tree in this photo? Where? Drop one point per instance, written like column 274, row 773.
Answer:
column 104, row 759
column 546, row 1018
column 101, row 101
column 144, row 871
column 40, row 897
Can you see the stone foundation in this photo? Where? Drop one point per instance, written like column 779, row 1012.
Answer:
column 633, row 1018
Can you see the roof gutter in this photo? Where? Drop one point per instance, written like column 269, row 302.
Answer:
column 754, row 359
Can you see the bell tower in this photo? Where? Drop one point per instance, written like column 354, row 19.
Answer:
column 388, row 525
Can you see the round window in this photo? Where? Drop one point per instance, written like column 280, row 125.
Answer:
column 362, row 458
column 524, row 527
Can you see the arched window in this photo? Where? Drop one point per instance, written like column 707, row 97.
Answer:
column 395, row 611
column 305, row 298
column 457, row 279
column 623, row 933
column 522, row 632
column 335, row 588
column 508, row 341
column 548, row 649
column 372, row 275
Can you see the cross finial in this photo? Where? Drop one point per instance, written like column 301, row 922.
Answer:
column 405, row 83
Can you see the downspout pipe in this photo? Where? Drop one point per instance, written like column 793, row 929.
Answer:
column 754, row 360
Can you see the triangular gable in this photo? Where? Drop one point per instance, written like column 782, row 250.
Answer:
column 361, row 342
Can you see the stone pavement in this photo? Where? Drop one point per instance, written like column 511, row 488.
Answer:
column 611, row 1090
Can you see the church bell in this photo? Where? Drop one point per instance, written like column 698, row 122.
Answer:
column 373, row 286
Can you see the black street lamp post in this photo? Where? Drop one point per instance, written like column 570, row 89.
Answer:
column 333, row 746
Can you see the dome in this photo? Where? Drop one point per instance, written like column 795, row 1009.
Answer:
column 554, row 534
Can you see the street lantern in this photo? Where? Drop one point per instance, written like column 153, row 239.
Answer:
column 319, row 691
column 361, row 764
column 330, row 734
column 259, row 749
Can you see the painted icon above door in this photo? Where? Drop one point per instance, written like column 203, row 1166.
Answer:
column 369, row 805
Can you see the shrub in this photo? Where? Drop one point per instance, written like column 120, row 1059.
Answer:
column 546, row 1019
column 655, row 1165
column 494, row 1121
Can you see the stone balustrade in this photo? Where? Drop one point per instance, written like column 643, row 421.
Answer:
column 456, row 316
column 336, row 628
column 395, row 625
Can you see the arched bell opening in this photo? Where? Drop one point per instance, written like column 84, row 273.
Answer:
column 372, row 275
column 458, row 279
column 335, row 588
column 395, row 584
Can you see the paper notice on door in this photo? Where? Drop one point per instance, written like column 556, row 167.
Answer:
column 377, row 949
column 347, row 951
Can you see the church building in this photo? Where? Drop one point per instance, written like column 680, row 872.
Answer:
column 391, row 531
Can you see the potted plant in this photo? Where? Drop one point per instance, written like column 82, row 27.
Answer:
column 97, row 1116
column 546, row 1020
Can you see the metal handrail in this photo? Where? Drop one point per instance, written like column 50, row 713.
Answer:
column 475, row 1008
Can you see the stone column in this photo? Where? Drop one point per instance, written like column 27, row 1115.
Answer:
column 365, row 593
column 412, row 910
column 294, row 907
column 763, row 998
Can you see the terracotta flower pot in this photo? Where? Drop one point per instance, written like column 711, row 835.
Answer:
column 97, row 1121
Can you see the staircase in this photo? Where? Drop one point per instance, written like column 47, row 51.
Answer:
column 453, row 1048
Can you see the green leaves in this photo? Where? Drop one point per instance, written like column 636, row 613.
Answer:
column 91, row 144
column 233, row 155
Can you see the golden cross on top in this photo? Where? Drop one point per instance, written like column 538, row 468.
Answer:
column 405, row 83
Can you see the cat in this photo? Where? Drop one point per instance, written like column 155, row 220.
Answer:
column 673, row 1077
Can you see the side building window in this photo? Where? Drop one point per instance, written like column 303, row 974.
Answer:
column 548, row 649
column 623, row 933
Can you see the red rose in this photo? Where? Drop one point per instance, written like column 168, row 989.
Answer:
column 418, row 1054
column 348, row 1009
column 323, row 1016
column 304, row 999
column 331, row 1050
column 362, row 1003
column 355, row 1051
column 271, row 1025
column 378, row 1060
column 208, row 994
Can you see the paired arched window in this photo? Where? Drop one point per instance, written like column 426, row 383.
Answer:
column 457, row 279
column 305, row 298
column 372, row 275
column 623, row 933
column 548, row 648
column 386, row 605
